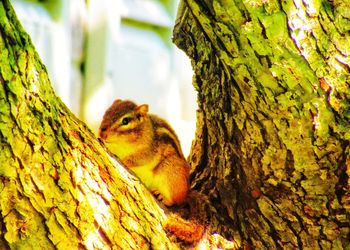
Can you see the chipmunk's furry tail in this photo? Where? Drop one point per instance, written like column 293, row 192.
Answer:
column 188, row 231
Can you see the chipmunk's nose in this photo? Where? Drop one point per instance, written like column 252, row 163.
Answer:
column 103, row 132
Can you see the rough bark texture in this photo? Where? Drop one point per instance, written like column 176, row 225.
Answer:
column 272, row 143
column 58, row 187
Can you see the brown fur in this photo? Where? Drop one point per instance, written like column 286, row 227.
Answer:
column 150, row 140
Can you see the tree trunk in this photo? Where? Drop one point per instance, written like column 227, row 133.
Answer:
column 272, row 142
column 58, row 187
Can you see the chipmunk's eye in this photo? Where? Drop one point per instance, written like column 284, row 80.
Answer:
column 125, row 121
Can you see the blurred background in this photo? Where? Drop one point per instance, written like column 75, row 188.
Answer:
column 100, row 50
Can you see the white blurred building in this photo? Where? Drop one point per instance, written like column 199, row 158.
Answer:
column 113, row 49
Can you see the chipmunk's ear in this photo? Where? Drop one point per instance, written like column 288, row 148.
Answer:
column 142, row 109
column 117, row 101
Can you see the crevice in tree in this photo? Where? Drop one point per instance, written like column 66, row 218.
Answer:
column 296, row 234
column 48, row 233
column 273, row 233
column 263, row 30
column 102, row 233
column 343, row 178
column 238, row 89
column 328, row 6
column 3, row 229
column 205, row 9
column 289, row 164
column 221, row 47
column 203, row 161
column 218, row 41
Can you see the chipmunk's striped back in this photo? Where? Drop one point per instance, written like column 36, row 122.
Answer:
column 166, row 134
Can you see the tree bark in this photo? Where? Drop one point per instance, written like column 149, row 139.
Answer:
column 272, row 142
column 58, row 187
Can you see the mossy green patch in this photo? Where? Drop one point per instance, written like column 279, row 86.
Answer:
column 15, row 86
column 275, row 26
column 5, row 68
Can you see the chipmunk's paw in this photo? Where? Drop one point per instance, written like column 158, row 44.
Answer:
column 159, row 196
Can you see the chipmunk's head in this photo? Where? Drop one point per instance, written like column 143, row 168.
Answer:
column 122, row 119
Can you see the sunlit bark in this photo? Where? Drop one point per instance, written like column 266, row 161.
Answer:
column 272, row 144
column 58, row 187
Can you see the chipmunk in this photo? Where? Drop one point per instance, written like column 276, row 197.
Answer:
column 149, row 147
